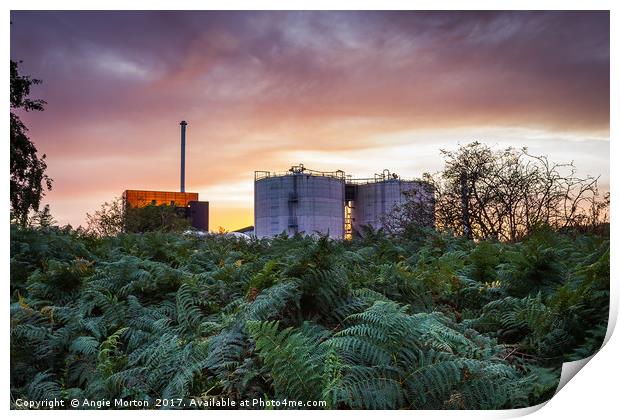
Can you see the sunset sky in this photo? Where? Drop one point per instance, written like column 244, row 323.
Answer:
column 357, row 91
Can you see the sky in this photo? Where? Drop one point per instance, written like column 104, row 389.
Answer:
column 356, row 91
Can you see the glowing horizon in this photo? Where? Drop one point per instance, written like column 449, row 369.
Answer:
column 356, row 91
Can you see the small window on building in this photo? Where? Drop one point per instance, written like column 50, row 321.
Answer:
column 153, row 202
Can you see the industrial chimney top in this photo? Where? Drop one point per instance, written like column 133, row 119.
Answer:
column 183, row 125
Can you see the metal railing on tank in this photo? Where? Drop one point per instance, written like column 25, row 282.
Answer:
column 299, row 170
column 386, row 175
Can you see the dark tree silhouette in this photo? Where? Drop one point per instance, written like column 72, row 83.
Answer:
column 505, row 194
column 28, row 178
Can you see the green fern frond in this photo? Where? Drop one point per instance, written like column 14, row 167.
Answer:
column 293, row 360
column 86, row 345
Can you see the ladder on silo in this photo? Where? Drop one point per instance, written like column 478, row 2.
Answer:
column 293, row 201
column 348, row 220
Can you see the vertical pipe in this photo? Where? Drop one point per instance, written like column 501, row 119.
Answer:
column 183, row 125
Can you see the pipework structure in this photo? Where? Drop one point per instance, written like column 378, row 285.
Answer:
column 302, row 200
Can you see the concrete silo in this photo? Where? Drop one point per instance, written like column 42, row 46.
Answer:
column 376, row 198
column 299, row 201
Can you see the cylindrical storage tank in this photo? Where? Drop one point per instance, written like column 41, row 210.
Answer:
column 376, row 200
column 299, row 203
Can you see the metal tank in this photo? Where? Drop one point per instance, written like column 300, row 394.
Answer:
column 376, row 198
column 299, row 201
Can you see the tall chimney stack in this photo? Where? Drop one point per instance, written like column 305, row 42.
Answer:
column 183, row 125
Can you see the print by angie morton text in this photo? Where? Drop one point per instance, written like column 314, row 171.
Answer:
column 199, row 402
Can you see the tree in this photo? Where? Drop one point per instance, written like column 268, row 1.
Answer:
column 28, row 178
column 506, row 194
column 108, row 220
column 42, row 218
column 114, row 217
column 163, row 218
column 416, row 214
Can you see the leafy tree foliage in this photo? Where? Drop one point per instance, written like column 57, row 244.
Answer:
column 114, row 217
column 439, row 322
column 108, row 220
column 28, row 178
column 165, row 218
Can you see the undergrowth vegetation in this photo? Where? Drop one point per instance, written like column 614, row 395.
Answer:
column 439, row 322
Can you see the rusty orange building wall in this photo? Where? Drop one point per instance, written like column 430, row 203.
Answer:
column 141, row 198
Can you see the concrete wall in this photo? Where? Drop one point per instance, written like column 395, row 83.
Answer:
column 375, row 200
column 299, row 203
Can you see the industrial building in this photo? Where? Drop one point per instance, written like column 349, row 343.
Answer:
column 306, row 201
column 141, row 198
column 187, row 202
